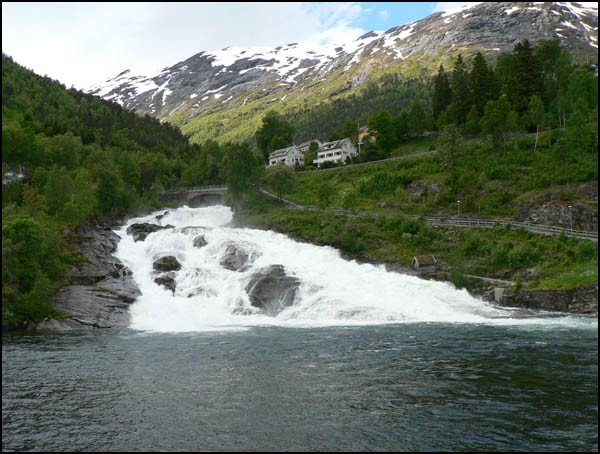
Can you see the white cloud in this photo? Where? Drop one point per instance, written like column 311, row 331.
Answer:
column 84, row 43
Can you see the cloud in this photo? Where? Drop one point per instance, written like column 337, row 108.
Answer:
column 84, row 43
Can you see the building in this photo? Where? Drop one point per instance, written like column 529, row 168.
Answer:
column 335, row 151
column 290, row 156
column 304, row 146
column 14, row 173
column 425, row 263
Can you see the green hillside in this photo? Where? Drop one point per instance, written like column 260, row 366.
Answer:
column 517, row 141
column 79, row 158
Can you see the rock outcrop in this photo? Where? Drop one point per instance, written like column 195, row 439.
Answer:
column 583, row 300
column 141, row 231
column 271, row 290
column 167, row 263
column 236, row 257
column 101, row 290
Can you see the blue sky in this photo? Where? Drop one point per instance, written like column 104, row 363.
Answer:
column 384, row 15
column 81, row 44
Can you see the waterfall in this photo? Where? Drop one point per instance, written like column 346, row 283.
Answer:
column 212, row 285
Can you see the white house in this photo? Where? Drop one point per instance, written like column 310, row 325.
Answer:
column 304, row 146
column 290, row 156
column 336, row 151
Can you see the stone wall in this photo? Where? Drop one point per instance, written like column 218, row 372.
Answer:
column 583, row 300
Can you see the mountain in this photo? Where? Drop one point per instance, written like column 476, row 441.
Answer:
column 224, row 94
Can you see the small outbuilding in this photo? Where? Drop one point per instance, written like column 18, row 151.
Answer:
column 425, row 263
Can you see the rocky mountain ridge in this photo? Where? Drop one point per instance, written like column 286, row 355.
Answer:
column 215, row 92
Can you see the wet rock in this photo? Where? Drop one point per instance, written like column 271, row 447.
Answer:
column 167, row 263
column 582, row 300
column 167, row 281
column 141, row 231
column 271, row 290
column 101, row 288
column 199, row 241
column 236, row 258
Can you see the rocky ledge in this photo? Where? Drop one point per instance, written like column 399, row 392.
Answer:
column 583, row 300
column 100, row 290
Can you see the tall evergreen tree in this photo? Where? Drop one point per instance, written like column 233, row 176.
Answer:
column 442, row 93
column 480, row 81
column 527, row 76
column 460, row 91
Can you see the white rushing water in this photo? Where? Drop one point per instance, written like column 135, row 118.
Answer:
column 332, row 290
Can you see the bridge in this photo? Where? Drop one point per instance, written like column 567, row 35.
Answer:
column 187, row 194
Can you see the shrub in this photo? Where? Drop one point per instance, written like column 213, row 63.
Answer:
column 585, row 251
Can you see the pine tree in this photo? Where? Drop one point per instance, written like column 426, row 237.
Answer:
column 442, row 93
column 527, row 77
column 480, row 83
column 460, row 91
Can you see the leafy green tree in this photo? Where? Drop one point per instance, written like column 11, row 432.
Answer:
column 58, row 190
column 416, row 118
column 280, row 178
column 311, row 154
column 536, row 116
column 498, row 120
column 242, row 171
column 274, row 133
column 450, row 145
column 382, row 122
column 473, row 120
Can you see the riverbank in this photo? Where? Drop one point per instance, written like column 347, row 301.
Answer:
column 99, row 292
column 461, row 254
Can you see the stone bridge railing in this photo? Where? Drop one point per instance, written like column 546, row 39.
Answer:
column 187, row 194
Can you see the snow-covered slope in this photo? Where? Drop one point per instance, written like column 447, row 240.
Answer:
column 213, row 82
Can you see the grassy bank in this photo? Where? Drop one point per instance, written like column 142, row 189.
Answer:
column 534, row 260
column 498, row 183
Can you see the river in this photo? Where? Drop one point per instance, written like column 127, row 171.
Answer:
column 363, row 360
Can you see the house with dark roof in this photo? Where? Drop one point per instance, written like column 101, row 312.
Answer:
column 290, row 156
column 335, row 151
column 304, row 146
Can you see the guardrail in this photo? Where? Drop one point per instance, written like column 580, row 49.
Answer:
column 347, row 166
column 459, row 221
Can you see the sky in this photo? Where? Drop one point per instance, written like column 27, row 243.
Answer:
column 81, row 44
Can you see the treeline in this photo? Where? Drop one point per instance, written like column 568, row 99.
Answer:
column 326, row 121
column 527, row 90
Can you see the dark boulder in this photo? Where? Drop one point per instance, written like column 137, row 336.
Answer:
column 141, row 231
column 236, row 258
column 199, row 241
column 167, row 263
column 167, row 280
column 271, row 290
